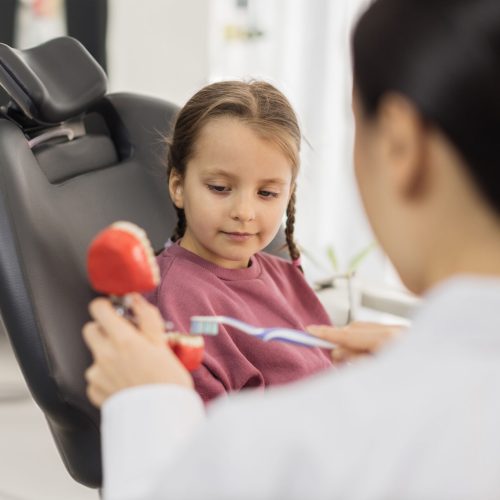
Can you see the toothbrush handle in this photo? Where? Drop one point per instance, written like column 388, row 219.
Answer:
column 297, row 337
column 240, row 325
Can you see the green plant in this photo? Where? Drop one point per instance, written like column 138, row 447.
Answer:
column 352, row 267
column 354, row 262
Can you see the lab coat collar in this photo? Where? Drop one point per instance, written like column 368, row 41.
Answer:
column 465, row 306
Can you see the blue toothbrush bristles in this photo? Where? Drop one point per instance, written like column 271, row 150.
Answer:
column 204, row 325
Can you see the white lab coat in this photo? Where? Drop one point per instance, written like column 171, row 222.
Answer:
column 419, row 421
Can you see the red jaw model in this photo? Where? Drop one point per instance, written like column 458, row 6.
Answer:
column 120, row 260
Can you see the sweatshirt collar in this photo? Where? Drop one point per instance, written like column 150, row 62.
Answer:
column 250, row 272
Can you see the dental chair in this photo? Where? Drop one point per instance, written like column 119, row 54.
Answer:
column 73, row 159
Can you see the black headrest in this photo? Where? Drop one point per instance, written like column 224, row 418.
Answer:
column 52, row 82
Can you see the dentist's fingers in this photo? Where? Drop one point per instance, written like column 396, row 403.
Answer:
column 357, row 336
column 342, row 355
column 132, row 362
column 116, row 327
column 125, row 357
column 96, row 394
column 95, row 339
column 148, row 319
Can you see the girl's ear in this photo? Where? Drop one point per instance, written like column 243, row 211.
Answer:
column 176, row 188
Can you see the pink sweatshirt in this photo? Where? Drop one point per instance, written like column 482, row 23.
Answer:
column 270, row 292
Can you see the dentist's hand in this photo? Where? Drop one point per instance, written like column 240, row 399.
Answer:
column 358, row 339
column 127, row 355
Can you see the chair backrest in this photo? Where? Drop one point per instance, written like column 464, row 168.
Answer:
column 72, row 161
column 55, row 195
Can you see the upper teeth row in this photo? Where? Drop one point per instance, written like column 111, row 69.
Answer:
column 186, row 339
column 141, row 235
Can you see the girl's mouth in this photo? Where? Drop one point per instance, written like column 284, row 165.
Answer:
column 237, row 236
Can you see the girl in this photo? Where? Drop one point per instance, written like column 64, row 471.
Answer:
column 233, row 159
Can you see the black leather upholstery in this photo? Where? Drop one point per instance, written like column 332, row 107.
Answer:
column 52, row 82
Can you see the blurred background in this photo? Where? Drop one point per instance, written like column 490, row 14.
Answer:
column 171, row 48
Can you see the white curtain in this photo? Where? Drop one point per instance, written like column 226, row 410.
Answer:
column 37, row 23
column 303, row 47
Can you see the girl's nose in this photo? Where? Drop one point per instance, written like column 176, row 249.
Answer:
column 242, row 209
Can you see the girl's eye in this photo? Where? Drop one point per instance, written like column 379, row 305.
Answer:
column 268, row 194
column 218, row 189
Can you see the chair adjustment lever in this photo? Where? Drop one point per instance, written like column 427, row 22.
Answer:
column 52, row 134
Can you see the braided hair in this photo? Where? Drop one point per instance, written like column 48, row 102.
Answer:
column 289, row 230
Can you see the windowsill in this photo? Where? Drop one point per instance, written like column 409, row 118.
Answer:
column 389, row 300
column 371, row 302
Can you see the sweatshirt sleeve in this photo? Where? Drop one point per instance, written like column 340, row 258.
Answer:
column 224, row 368
column 178, row 300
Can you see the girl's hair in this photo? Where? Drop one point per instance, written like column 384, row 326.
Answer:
column 257, row 104
column 444, row 56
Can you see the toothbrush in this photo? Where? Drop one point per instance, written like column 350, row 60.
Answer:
column 209, row 325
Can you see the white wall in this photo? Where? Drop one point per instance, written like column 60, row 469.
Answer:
column 158, row 47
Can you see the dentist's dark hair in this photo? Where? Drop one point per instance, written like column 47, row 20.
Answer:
column 444, row 56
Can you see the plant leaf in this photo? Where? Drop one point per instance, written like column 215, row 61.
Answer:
column 332, row 257
column 356, row 261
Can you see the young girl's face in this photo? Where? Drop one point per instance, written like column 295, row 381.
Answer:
column 234, row 193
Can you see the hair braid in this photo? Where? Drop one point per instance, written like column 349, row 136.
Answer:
column 180, row 228
column 289, row 230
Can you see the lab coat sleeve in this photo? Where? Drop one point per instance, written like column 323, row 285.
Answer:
column 143, row 429
column 157, row 444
